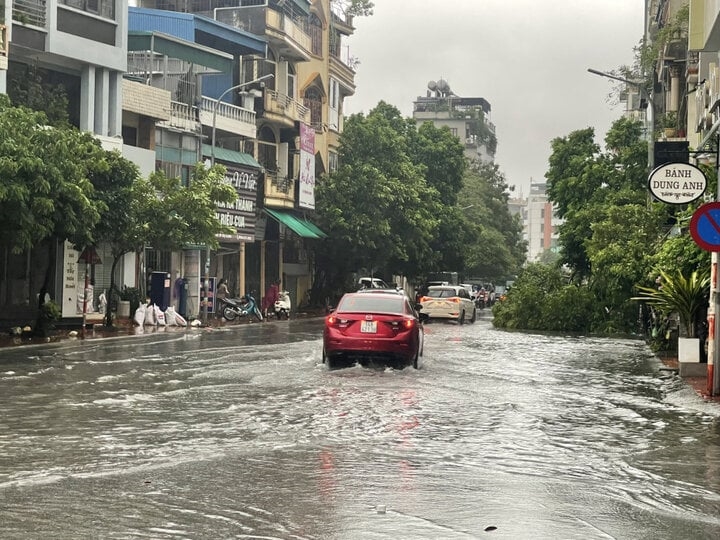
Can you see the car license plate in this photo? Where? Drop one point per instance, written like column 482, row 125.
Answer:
column 368, row 327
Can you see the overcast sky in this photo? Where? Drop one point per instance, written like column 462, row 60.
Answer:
column 528, row 58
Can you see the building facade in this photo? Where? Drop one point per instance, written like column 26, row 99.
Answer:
column 467, row 118
column 81, row 46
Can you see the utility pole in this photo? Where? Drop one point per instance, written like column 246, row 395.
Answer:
column 212, row 162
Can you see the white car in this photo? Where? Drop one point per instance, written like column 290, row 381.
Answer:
column 451, row 302
column 372, row 283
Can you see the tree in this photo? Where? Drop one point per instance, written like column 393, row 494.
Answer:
column 353, row 7
column 497, row 248
column 377, row 205
column 688, row 296
column 45, row 193
column 160, row 211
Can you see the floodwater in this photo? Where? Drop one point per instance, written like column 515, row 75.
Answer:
column 243, row 433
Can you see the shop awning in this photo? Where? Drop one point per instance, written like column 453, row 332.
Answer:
column 299, row 226
column 231, row 156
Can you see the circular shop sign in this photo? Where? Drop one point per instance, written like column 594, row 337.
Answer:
column 677, row 183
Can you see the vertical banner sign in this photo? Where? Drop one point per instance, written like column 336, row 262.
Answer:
column 239, row 214
column 307, row 167
column 71, row 280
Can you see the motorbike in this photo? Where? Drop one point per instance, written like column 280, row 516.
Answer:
column 283, row 305
column 232, row 308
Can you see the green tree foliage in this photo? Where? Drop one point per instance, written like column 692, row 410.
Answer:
column 404, row 202
column 45, row 192
column 688, row 296
column 354, row 7
column 611, row 231
column 378, row 207
column 542, row 299
column 442, row 155
column 497, row 248
column 177, row 214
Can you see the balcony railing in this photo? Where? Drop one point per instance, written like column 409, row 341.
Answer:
column 281, row 104
column 263, row 20
column 228, row 117
column 183, row 116
column 279, row 190
column 285, row 24
column 228, row 110
column 30, row 12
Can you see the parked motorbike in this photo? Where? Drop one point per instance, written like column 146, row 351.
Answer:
column 232, row 308
column 283, row 305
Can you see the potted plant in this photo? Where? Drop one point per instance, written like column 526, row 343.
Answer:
column 49, row 313
column 688, row 297
column 669, row 124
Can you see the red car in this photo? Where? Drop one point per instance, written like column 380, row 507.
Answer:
column 378, row 326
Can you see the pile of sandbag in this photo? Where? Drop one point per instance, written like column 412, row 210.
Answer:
column 152, row 315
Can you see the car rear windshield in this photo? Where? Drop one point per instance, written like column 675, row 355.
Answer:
column 442, row 293
column 371, row 303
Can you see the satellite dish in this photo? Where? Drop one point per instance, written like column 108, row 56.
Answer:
column 432, row 85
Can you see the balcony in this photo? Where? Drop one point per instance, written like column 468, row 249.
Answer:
column 279, row 191
column 342, row 70
column 29, row 12
column 284, row 109
column 284, row 34
column 182, row 117
column 229, row 118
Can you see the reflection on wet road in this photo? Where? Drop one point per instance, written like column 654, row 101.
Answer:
column 243, row 433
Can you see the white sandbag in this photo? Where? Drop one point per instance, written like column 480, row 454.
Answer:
column 150, row 316
column 170, row 316
column 159, row 316
column 180, row 320
column 139, row 316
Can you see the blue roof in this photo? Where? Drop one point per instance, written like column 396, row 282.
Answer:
column 197, row 29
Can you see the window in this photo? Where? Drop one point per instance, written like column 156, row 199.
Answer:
column 334, row 112
column 313, row 101
column 332, row 161
column 315, row 31
column 104, row 8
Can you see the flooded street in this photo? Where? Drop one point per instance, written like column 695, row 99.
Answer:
column 244, row 433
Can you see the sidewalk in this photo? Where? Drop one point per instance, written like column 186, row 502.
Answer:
column 699, row 384
column 127, row 327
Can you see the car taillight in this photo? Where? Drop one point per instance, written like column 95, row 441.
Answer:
column 405, row 324
column 336, row 322
column 455, row 300
column 424, row 298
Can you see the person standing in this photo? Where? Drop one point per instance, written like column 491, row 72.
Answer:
column 271, row 296
column 221, row 294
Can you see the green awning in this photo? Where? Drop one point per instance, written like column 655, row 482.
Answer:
column 299, row 226
column 231, row 156
column 314, row 228
column 175, row 47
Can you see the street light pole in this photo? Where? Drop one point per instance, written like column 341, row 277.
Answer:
column 212, row 162
column 217, row 103
column 651, row 105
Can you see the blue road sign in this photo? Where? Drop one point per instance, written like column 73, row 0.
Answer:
column 705, row 226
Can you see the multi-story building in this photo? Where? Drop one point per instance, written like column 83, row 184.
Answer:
column 183, row 54
column 297, row 113
column 467, row 118
column 541, row 224
column 81, row 46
